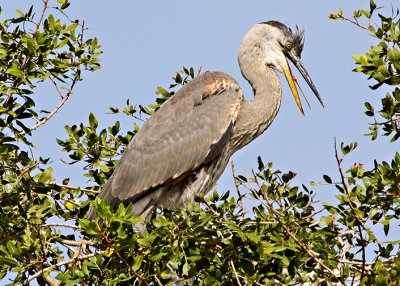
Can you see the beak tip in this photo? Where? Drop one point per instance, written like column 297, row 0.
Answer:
column 319, row 99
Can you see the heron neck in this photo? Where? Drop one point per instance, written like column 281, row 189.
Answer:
column 256, row 115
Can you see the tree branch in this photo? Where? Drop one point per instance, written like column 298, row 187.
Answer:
column 235, row 272
column 355, row 21
column 73, row 242
column 242, row 205
column 61, row 263
column 61, row 225
column 56, row 109
column 74, row 188
column 45, row 5
column 359, row 222
column 312, row 254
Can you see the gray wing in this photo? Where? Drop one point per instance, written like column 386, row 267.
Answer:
column 186, row 132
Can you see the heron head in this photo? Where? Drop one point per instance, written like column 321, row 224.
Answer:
column 281, row 43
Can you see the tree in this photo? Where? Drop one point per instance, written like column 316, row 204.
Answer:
column 287, row 238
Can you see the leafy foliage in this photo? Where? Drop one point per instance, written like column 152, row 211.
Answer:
column 286, row 238
column 35, row 49
column 382, row 64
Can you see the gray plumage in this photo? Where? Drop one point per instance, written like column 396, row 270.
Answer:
column 182, row 150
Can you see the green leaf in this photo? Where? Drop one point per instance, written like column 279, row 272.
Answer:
column 162, row 91
column 7, row 148
column 15, row 71
column 105, row 168
column 8, row 261
column 20, row 13
column 46, row 176
column 137, row 263
column 254, row 237
column 161, row 221
column 289, row 176
column 326, row 220
column 72, row 27
column 93, row 121
column 62, row 43
column 144, row 242
column 327, row 179
column 394, row 55
column 185, row 268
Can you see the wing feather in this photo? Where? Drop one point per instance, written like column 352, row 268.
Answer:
column 186, row 132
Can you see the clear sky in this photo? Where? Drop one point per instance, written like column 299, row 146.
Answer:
column 145, row 42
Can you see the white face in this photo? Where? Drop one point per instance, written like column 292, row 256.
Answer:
column 273, row 51
column 262, row 46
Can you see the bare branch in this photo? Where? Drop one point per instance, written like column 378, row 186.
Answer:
column 46, row 118
column 56, row 109
column 73, row 242
column 242, row 205
column 61, row 263
column 355, row 21
column 45, row 5
column 235, row 272
column 312, row 254
column 61, row 225
column 359, row 222
column 210, row 208
column 74, row 188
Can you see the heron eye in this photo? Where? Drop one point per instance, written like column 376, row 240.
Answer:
column 289, row 46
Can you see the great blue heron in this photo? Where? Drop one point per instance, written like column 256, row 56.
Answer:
column 182, row 150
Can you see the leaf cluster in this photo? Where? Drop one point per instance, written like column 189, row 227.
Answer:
column 216, row 242
column 381, row 64
column 35, row 49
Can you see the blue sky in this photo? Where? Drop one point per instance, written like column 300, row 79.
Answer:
column 145, row 42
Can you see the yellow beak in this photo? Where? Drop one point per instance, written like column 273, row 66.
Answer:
column 289, row 77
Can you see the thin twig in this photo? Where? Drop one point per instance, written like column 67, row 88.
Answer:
column 352, row 262
column 45, row 119
column 199, row 70
column 355, row 21
column 235, row 272
column 210, row 208
column 80, row 248
column 312, row 215
column 312, row 254
column 45, row 3
column 73, row 242
column 48, row 278
column 75, row 188
column 242, row 205
column 139, row 118
column 27, row 169
column 56, row 109
column 359, row 222
column 62, row 263
column 10, row 93
column 262, row 222
column 116, row 152
column 57, row 87
column 158, row 280
column 61, row 225
column 364, row 258
column 51, row 281
column 396, row 120
column 116, row 252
